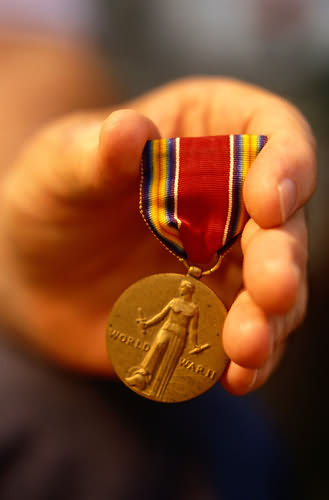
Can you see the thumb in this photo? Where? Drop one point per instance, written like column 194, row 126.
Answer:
column 103, row 157
column 121, row 142
column 83, row 157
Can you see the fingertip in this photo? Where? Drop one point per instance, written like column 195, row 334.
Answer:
column 249, row 231
column 247, row 336
column 273, row 284
column 281, row 179
column 238, row 380
column 126, row 126
column 274, row 265
column 260, row 196
column 121, row 142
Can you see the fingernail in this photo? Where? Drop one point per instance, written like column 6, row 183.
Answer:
column 253, row 381
column 287, row 196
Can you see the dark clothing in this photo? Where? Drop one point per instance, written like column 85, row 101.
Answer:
column 67, row 437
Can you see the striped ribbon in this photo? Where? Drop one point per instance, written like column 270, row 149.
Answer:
column 191, row 192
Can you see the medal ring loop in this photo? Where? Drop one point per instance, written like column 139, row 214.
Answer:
column 198, row 272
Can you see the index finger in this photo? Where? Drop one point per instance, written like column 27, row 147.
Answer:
column 283, row 176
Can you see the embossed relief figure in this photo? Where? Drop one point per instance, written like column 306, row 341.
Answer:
column 158, row 365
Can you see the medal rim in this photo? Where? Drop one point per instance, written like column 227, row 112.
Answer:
column 176, row 276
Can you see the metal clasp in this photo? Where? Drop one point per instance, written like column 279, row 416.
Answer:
column 198, row 273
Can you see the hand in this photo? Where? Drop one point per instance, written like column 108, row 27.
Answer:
column 141, row 322
column 71, row 237
column 272, row 299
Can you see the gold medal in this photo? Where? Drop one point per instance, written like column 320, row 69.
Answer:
column 164, row 337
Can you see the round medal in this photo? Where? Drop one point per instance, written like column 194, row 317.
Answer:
column 164, row 337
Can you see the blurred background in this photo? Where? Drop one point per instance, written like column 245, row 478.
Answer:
column 280, row 44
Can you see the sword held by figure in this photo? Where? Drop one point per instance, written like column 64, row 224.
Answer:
column 141, row 321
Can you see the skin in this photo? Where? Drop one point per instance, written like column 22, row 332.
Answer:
column 72, row 238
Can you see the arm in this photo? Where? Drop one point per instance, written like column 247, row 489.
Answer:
column 158, row 317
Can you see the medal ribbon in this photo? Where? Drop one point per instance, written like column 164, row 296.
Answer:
column 191, row 192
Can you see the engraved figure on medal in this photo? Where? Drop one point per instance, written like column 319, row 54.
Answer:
column 181, row 317
column 158, row 355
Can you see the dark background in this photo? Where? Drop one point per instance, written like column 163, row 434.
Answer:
column 284, row 46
